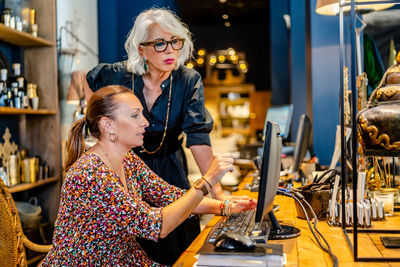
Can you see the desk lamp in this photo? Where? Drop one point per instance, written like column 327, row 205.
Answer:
column 331, row 7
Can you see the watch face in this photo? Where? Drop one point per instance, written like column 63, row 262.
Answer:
column 200, row 184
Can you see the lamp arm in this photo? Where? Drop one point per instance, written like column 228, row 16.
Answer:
column 76, row 38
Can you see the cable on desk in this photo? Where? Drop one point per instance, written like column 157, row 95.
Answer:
column 327, row 249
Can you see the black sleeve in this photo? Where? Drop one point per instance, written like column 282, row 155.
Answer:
column 103, row 75
column 197, row 121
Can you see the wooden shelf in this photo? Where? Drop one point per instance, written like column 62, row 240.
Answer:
column 228, row 131
column 27, row 186
column 22, row 39
column 227, row 117
column 27, row 111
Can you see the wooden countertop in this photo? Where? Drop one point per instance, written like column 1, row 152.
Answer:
column 304, row 250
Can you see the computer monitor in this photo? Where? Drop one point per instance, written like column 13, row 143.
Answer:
column 269, row 181
column 302, row 142
column 282, row 115
column 270, row 168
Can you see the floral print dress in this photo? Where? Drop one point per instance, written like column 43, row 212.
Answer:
column 98, row 221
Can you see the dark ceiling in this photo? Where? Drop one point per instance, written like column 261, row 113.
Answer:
column 198, row 12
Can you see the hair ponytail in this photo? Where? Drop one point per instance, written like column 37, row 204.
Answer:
column 101, row 104
column 75, row 143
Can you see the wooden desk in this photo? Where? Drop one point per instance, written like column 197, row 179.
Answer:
column 304, row 251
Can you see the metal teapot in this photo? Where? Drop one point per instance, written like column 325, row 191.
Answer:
column 379, row 123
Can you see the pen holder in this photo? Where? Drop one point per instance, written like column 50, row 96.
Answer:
column 319, row 201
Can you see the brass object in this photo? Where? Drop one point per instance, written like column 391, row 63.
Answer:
column 30, row 169
column 379, row 123
column 7, row 148
column 347, row 95
column 362, row 82
column 13, row 167
column 387, row 93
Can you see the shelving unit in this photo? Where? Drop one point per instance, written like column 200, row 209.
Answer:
column 22, row 39
column 217, row 99
column 355, row 231
column 26, row 186
column 39, row 131
column 20, row 111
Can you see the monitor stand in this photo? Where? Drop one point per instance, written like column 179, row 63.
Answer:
column 281, row 231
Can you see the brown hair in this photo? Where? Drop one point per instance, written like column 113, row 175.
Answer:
column 101, row 104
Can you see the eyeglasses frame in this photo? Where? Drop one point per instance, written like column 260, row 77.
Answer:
column 161, row 40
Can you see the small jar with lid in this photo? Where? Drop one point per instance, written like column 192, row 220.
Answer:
column 6, row 16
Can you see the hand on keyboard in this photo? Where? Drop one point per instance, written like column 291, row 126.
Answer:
column 243, row 205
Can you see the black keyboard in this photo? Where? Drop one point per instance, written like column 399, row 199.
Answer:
column 241, row 223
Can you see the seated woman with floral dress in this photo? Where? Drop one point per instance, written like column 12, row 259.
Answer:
column 110, row 197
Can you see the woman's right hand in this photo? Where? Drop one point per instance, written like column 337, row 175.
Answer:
column 219, row 166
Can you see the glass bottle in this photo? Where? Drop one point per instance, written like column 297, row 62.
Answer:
column 3, row 81
column 16, row 95
column 6, row 16
column 22, row 84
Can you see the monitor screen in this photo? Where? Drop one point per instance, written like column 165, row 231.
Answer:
column 302, row 141
column 283, row 116
column 270, row 169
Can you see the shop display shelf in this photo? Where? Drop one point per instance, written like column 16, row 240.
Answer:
column 26, row 111
column 22, row 39
column 27, row 186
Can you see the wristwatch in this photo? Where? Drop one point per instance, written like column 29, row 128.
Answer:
column 200, row 184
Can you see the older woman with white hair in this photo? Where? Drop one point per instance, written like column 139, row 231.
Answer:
column 173, row 99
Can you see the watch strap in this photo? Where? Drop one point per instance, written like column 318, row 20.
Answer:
column 202, row 186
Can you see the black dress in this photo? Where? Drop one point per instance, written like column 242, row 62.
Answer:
column 187, row 114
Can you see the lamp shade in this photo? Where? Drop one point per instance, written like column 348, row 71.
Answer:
column 77, row 87
column 331, row 7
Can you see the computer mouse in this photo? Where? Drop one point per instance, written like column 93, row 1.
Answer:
column 233, row 241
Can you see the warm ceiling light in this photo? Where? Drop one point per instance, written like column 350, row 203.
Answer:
column 213, row 60
column 190, row 65
column 331, row 7
column 222, row 1
column 225, row 16
column 200, row 61
column 227, row 24
column 201, row 52
column 221, row 58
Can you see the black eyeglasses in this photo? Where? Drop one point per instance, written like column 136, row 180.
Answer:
column 161, row 45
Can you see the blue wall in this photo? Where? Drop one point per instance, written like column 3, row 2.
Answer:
column 279, row 57
column 116, row 18
column 12, row 54
column 326, row 82
column 298, row 62
column 288, row 70
column 324, row 73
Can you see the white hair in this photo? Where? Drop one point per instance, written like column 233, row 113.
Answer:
column 170, row 22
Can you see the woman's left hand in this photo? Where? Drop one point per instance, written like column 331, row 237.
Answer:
column 243, row 205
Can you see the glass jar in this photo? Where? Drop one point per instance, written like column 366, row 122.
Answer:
column 386, row 195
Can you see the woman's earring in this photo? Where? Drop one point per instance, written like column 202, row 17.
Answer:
column 112, row 137
column 145, row 64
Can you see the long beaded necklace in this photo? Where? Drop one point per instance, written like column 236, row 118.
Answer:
column 166, row 119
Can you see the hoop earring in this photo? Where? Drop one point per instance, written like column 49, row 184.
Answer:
column 112, row 137
column 145, row 64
